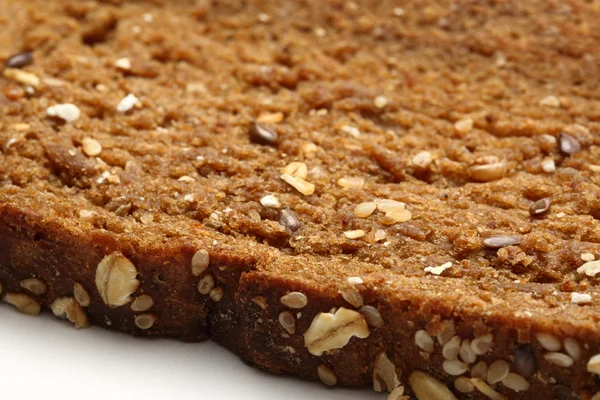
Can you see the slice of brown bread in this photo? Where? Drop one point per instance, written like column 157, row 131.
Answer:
column 362, row 192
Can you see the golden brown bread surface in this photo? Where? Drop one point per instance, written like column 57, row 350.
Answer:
column 350, row 191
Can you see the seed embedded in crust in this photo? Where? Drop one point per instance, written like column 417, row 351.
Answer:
column 488, row 172
column 270, row 118
column 116, row 279
column 497, row 371
column 567, row 144
column 200, row 261
column 455, row 367
column 380, row 102
column 549, row 342
column 144, row 321
column 216, row 294
column 260, row 301
column 573, row 348
column 452, row 348
column 560, row 359
column 539, row 207
column 463, row 385
column 422, row 159
column 351, row 182
column 447, row 333
column 206, row 284
column 387, row 205
column 581, row 298
column 384, row 374
column 352, row 296
column 363, row 210
column 593, row 364
column 464, row 125
column 479, row 370
column 67, row 112
column 68, row 307
column 399, row 215
column 23, row 303
column 91, row 147
column 261, row 134
column 142, row 303
column 564, row 393
column 294, row 300
column 356, row 234
column 372, row 316
column 19, row 60
column 499, row 241
column 81, row 295
column 515, row 382
column 270, row 201
column 287, row 321
column 487, row 390
column 525, row 361
column 304, row 187
column 424, row 341
column 296, row 169
column 288, row 220
column 330, row 331
column 482, row 344
column 590, row 268
column 34, row 285
column 426, row 387
column 466, row 352
column 23, row 77
column 550, row 101
column 326, row 375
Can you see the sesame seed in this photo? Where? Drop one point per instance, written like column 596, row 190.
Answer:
column 539, row 207
column 422, row 159
column 260, row 134
column 438, row 270
column 186, row 178
column 581, row 298
column 271, row 118
column 355, row 280
column 149, row 18
column 464, row 126
column 296, row 169
column 588, row 257
column 398, row 11
column 23, row 77
column 488, row 172
column 262, row 17
column 363, row 210
column 550, row 101
column 354, row 234
column 67, row 112
column 548, row 165
column 127, row 103
column 499, row 241
column 386, row 205
column 19, row 60
column 304, row 187
column 123, row 63
column 320, row 32
column 351, row 130
column 399, row 215
column 270, row 201
column 568, row 145
column 91, row 147
column 351, row 182
column 380, row 102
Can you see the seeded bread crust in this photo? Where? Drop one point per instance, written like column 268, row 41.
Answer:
column 362, row 193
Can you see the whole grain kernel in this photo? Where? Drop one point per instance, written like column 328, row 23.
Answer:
column 497, row 371
column 539, row 207
column 452, row 348
column 352, row 296
column 397, row 394
column 486, row 389
column 23, row 303
column 549, row 342
column 372, row 316
column 23, row 77
column 288, row 220
column 81, row 295
column 304, row 187
column 488, row 172
column 270, row 201
column 200, row 261
column 351, row 182
column 426, row 387
column 593, row 364
column 567, row 144
column 515, row 382
column 399, row 215
column 69, row 308
column 447, row 332
column 142, row 303
column 455, row 367
column 333, row 330
column 296, row 169
column 363, row 210
column 499, row 241
column 422, row 159
column 463, row 385
column 288, row 321
column 479, row 370
column 380, row 102
column 91, row 147
column 206, row 284
column 387, row 205
column 261, row 134
column 573, row 348
column 216, row 294
column 466, row 352
column 295, row 300
column 525, row 362
column 34, row 285
column 19, row 60
column 464, row 126
column 145, row 321
column 560, row 359
column 326, row 375
column 384, row 374
column 482, row 344
column 424, row 341
column 116, row 279
column 356, row 234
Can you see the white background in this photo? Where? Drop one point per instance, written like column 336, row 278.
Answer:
column 43, row 357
